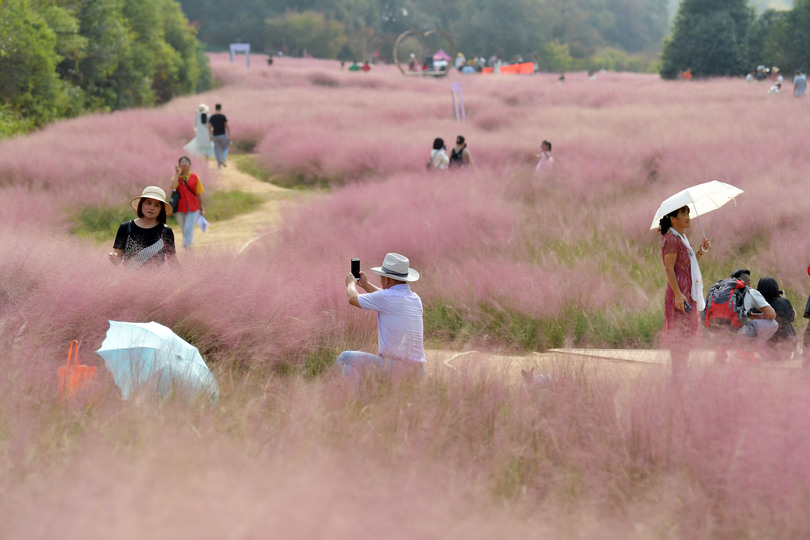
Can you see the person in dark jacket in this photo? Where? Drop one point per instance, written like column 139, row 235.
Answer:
column 784, row 340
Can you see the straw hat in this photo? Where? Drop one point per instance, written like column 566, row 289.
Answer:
column 396, row 266
column 152, row 192
column 203, row 108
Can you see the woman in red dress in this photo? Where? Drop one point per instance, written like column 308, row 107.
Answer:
column 684, row 297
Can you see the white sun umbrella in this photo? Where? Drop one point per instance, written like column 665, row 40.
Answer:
column 700, row 199
column 141, row 355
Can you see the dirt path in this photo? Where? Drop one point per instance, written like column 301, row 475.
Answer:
column 236, row 234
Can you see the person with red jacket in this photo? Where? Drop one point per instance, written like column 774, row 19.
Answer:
column 190, row 206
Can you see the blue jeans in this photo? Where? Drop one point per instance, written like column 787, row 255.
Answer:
column 355, row 363
column 221, row 148
column 187, row 220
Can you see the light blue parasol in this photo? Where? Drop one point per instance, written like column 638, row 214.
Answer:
column 149, row 356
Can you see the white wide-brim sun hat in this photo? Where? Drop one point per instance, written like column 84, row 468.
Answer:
column 203, row 108
column 152, row 192
column 396, row 266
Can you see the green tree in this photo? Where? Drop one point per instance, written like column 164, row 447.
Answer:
column 789, row 40
column 638, row 25
column 711, row 37
column 770, row 40
column 555, row 56
column 307, row 33
column 64, row 57
column 31, row 92
column 507, row 29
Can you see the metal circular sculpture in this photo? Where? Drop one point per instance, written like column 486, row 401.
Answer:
column 421, row 36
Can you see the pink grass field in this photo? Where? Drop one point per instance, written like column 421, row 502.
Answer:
column 467, row 454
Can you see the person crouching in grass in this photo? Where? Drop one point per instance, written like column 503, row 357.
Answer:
column 399, row 320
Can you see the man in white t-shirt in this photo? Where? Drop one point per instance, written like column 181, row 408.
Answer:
column 762, row 323
column 399, row 319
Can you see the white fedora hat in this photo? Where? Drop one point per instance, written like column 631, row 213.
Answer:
column 152, row 192
column 396, row 266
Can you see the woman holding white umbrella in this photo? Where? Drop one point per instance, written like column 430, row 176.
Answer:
column 684, row 297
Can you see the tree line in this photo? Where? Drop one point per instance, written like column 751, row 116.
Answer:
column 726, row 37
column 63, row 58
column 559, row 34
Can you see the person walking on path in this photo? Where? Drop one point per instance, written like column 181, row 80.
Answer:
column 220, row 133
column 201, row 144
column 146, row 239
column 460, row 155
column 684, row 295
column 190, row 206
column 399, row 320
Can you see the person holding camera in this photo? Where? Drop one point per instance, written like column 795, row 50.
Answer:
column 190, row 206
column 399, row 320
column 684, row 295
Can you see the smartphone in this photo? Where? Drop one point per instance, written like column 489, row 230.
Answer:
column 356, row 268
column 686, row 307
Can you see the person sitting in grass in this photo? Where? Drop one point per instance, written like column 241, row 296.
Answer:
column 399, row 320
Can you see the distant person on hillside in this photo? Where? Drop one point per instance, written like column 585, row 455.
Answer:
column 412, row 62
column 190, row 207
column 460, row 155
column 201, row 144
column 355, row 66
column 438, row 156
column 399, row 320
column 366, row 67
column 687, row 74
column 545, row 160
column 775, row 88
column 220, row 133
column 146, row 239
column 799, row 83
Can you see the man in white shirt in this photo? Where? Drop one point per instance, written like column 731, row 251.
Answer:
column 761, row 326
column 399, row 319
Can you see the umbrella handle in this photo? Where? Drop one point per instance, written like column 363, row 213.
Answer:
column 700, row 223
column 70, row 352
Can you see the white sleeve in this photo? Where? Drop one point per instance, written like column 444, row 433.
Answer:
column 372, row 301
column 758, row 299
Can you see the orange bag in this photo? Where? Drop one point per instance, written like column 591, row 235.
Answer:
column 71, row 377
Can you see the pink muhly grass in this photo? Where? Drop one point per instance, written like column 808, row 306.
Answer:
column 97, row 160
column 470, row 450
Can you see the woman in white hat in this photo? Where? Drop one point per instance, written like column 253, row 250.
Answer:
column 201, row 144
column 146, row 239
